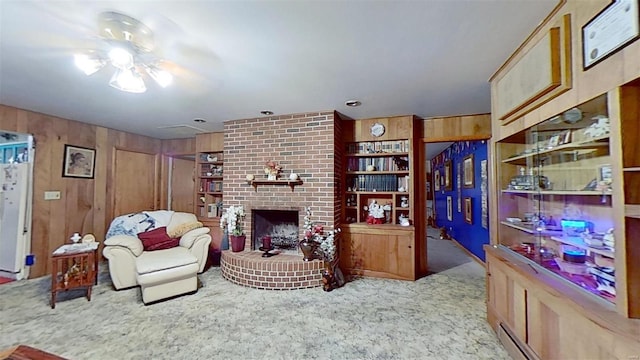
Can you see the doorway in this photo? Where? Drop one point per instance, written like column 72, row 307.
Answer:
column 431, row 150
column 16, row 193
column 135, row 182
column 182, row 184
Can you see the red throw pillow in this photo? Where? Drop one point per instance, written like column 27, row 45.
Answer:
column 157, row 239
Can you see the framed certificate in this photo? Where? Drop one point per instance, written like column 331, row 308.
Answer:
column 613, row 28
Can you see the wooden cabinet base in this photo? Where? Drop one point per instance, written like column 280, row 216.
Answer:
column 551, row 319
column 385, row 251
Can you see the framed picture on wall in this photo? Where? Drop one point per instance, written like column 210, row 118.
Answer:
column 613, row 28
column 78, row 162
column 436, row 180
column 449, row 209
column 468, row 212
column 467, row 171
column 448, row 176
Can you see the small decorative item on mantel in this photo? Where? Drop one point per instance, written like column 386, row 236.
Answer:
column 232, row 222
column 272, row 169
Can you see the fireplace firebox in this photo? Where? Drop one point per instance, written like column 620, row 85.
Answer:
column 279, row 225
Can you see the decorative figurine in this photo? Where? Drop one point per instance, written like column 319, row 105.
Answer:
column 75, row 238
column 376, row 213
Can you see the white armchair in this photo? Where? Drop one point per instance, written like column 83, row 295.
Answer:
column 160, row 273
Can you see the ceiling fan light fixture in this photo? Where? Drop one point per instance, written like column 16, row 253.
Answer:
column 162, row 77
column 89, row 65
column 130, row 52
column 128, row 80
column 121, row 58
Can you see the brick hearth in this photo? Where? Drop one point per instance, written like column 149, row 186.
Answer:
column 280, row 272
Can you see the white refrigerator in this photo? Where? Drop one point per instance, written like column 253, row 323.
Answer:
column 15, row 242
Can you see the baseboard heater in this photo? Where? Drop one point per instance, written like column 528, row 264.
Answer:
column 514, row 347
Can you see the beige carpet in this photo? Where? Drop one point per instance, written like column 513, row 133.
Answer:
column 441, row 316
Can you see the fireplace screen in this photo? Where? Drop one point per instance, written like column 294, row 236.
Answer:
column 280, row 225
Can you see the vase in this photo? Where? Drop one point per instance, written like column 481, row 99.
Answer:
column 237, row 242
column 224, row 244
column 308, row 249
column 332, row 276
column 272, row 177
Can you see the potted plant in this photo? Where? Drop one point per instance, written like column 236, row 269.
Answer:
column 232, row 222
column 272, row 170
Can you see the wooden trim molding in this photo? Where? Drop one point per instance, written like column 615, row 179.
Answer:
column 533, row 76
column 539, row 75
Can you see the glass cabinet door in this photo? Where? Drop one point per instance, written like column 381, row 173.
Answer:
column 555, row 196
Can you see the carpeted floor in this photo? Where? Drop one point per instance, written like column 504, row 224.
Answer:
column 441, row 316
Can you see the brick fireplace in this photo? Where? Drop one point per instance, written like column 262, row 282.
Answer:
column 301, row 143
column 307, row 144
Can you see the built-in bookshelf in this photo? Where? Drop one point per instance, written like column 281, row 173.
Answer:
column 380, row 219
column 378, row 171
column 210, row 169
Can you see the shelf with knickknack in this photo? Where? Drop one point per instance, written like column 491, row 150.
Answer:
column 210, row 168
column 290, row 183
column 209, row 183
column 209, row 174
column 378, row 199
column 378, row 173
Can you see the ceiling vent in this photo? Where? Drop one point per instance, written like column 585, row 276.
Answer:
column 182, row 131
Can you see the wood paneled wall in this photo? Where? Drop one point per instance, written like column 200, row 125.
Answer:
column 173, row 148
column 176, row 147
column 86, row 205
column 457, row 128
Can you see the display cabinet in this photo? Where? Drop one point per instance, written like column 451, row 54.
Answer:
column 555, row 197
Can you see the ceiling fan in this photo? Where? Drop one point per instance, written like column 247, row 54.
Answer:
column 130, row 51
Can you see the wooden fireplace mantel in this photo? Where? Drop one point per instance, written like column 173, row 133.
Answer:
column 291, row 183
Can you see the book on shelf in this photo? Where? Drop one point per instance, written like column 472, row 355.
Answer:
column 383, row 182
column 215, row 186
column 372, row 147
column 379, row 163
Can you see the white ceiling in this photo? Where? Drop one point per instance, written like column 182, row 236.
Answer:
column 233, row 59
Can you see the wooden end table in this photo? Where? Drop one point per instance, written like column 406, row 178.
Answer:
column 74, row 266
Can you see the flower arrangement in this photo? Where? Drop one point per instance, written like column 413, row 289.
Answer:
column 232, row 220
column 272, row 169
column 325, row 242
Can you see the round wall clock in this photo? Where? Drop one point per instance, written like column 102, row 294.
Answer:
column 377, row 129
